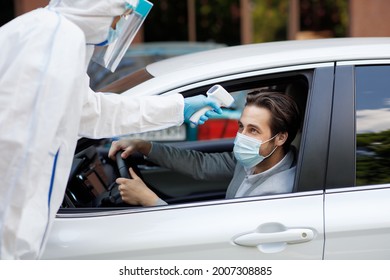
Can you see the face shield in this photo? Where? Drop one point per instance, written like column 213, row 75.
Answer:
column 109, row 53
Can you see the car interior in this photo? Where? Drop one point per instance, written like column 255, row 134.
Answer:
column 92, row 179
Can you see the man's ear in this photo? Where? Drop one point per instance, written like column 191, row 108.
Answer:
column 281, row 138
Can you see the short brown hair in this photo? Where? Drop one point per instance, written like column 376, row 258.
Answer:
column 284, row 111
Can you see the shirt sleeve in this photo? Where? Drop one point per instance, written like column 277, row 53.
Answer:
column 202, row 166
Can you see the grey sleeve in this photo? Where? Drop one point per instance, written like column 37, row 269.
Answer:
column 202, row 166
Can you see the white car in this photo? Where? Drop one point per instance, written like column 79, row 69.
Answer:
column 340, row 206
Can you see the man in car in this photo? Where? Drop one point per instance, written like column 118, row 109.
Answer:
column 263, row 161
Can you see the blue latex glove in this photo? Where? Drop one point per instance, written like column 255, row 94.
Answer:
column 195, row 103
column 202, row 119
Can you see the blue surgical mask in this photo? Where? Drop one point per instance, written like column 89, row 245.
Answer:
column 247, row 150
column 112, row 36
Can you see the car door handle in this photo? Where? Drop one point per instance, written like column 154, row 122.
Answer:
column 296, row 235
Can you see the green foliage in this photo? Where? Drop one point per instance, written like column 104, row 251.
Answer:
column 218, row 21
column 319, row 15
column 373, row 160
column 270, row 18
column 167, row 21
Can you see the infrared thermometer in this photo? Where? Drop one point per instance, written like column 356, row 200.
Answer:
column 219, row 95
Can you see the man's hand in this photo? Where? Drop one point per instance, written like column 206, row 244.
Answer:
column 135, row 192
column 129, row 146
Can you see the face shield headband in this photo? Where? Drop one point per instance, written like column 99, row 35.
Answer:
column 121, row 37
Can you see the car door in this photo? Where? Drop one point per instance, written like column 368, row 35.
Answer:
column 357, row 220
column 286, row 226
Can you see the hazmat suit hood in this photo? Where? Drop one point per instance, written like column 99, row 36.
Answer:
column 93, row 17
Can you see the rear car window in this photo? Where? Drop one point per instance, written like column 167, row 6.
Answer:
column 372, row 125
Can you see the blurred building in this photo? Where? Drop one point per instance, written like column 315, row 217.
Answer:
column 23, row 6
column 19, row 7
column 366, row 18
column 369, row 18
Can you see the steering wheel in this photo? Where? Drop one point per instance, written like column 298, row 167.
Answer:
column 122, row 167
column 114, row 198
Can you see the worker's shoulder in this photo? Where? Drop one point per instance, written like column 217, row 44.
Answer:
column 57, row 22
column 42, row 23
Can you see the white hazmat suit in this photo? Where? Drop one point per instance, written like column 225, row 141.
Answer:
column 46, row 105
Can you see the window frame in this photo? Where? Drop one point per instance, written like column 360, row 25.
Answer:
column 320, row 85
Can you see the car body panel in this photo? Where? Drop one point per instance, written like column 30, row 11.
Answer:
column 357, row 223
column 190, row 232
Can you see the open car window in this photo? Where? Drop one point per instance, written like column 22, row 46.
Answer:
column 91, row 185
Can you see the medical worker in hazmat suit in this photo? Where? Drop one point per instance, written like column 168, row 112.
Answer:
column 46, row 105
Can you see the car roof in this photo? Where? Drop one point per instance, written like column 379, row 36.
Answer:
column 279, row 53
column 181, row 70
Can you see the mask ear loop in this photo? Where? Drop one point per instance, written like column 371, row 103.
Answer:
column 270, row 138
column 128, row 11
column 270, row 154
